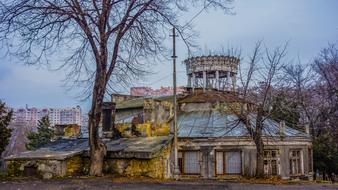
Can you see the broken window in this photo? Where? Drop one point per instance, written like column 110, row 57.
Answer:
column 180, row 161
column 30, row 170
column 296, row 162
column 228, row 162
column 271, row 162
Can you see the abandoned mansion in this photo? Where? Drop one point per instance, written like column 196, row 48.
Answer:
column 212, row 142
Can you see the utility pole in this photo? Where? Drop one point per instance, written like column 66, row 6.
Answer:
column 176, row 169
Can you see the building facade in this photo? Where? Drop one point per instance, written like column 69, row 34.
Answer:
column 212, row 141
column 147, row 91
column 215, row 143
column 56, row 115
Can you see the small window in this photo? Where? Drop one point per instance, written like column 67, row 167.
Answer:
column 30, row 171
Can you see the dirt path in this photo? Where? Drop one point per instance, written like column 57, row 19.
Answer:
column 108, row 183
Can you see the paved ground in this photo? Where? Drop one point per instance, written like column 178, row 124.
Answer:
column 108, row 183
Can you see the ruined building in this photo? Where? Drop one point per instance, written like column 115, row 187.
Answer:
column 212, row 141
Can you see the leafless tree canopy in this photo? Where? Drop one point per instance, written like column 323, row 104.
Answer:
column 259, row 83
column 102, row 41
column 110, row 34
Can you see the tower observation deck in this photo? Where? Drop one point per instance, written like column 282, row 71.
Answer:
column 212, row 72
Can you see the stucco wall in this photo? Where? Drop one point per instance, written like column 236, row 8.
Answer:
column 158, row 167
column 248, row 155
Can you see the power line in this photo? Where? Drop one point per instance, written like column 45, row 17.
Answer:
column 196, row 15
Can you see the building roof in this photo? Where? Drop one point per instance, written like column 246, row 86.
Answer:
column 198, row 96
column 139, row 102
column 211, row 96
column 140, row 147
column 58, row 150
column 216, row 124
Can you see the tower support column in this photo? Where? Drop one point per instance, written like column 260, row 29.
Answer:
column 204, row 80
column 189, row 81
column 217, row 80
column 228, row 81
column 193, row 81
column 234, row 82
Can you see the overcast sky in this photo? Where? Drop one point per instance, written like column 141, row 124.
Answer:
column 308, row 25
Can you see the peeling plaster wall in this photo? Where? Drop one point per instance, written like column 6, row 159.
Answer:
column 45, row 168
column 158, row 167
column 208, row 147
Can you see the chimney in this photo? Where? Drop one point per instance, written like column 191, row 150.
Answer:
column 307, row 128
column 108, row 116
column 282, row 128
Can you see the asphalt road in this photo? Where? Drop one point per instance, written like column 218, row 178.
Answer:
column 106, row 183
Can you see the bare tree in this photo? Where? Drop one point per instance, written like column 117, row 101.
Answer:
column 315, row 88
column 104, row 40
column 262, row 76
column 300, row 79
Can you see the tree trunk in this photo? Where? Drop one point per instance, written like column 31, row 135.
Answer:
column 260, row 157
column 259, row 146
column 97, row 147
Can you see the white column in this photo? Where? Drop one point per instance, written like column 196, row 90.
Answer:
column 228, row 81
column 193, row 80
column 189, row 80
column 217, row 80
column 204, row 80
column 234, row 82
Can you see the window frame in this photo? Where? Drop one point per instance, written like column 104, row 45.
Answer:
column 269, row 159
column 182, row 170
column 296, row 158
column 225, row 164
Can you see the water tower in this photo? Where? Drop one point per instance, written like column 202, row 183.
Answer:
column 212, row 72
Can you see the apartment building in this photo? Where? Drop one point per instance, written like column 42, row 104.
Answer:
column 56, row 115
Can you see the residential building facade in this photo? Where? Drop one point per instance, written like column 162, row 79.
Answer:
column 56, row 115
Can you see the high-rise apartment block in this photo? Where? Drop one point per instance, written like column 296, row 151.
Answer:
column 56, row 115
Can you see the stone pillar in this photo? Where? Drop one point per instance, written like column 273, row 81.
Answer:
column 204, row 80
column 282, row 129
column 189, row 81
column 193, row 81
column 108, row 116
column 228, row 81
column 234, row 82
column 307, row 129
column 284, row 162
column 217, row 80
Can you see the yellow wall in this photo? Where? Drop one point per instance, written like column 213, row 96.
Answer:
column 154, row 168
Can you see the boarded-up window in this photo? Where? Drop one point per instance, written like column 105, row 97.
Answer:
column 228, row 162
column 219, row 163
column 180, row 161
column 233, row 163
column 30, row 171
column 192, row 162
